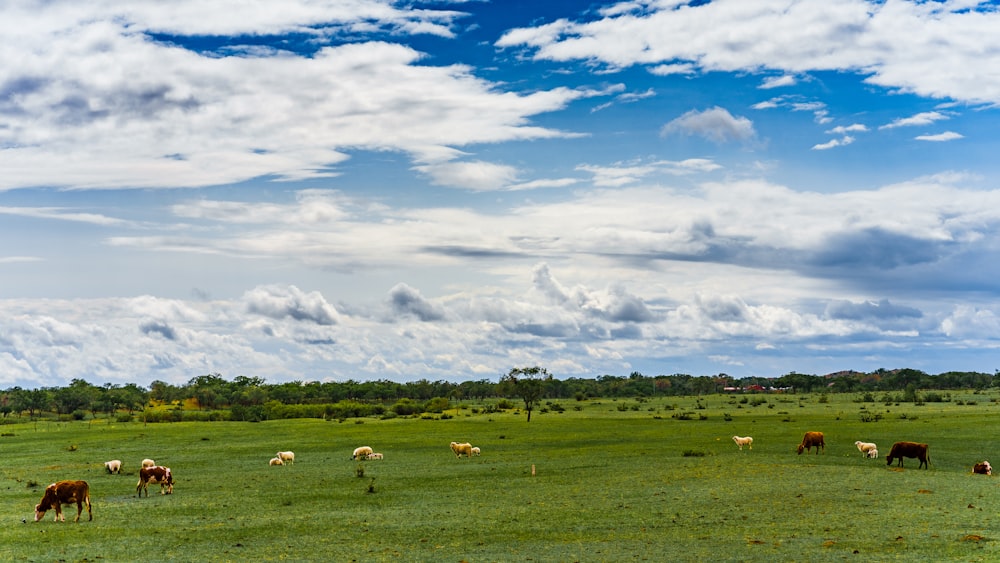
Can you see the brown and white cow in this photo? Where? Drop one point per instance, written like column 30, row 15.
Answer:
column 812, row 439
column 909, row 449
column 64, row 492
column 983, row 468
column 155, row 475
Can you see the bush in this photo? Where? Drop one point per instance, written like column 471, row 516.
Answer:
column 79, row 415
column 123, row 417
column 406, row 407
column 437, row 405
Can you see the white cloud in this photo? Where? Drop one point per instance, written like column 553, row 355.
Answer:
column 715, row 124
column 778, row 82
column 853, row 128
column 279, row 302
column 833, row 143
column 89, row 88
column 920, row 47
column 923, row 118
column 471, row 175
column 940, row 137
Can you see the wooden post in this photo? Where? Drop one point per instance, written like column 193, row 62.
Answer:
column 532, row 469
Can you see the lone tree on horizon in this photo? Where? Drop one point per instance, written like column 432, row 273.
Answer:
column 527, row 383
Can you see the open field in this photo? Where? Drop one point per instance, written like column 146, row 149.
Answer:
column 615, row 481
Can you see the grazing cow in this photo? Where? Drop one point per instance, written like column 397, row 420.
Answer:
column 155, row 475
column 286, row 457
column 148, row 463
column 461, row 449
column 64, row 492
column 362, row 452
column 476, row 450
column 276, row 461
column 743, row 441
column 982, row 468
column 375, row 455
column 812, row 439
column 909, row 449
column 113, row 466
column 867, row 449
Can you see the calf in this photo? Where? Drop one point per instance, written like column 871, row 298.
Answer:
column 982, row 468
column 64, row 492
column 113, row 466
column 909, row 449
column 155, row 475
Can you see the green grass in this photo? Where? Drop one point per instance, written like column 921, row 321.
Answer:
column 609, row 485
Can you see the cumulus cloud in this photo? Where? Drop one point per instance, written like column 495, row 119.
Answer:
column 406, row 300
column 184, row 117
column 906, row 46
column 279, row 302
column 715, row 124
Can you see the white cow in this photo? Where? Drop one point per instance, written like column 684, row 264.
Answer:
column 276, row 461
column 375, row 455
column 476, row 450
column 286, row 457
column 148, row 463
column 113, row 466
column 743, row 441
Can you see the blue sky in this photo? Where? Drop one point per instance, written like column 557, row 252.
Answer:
column 367, row 189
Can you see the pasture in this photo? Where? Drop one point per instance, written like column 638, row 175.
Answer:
column 618, row 480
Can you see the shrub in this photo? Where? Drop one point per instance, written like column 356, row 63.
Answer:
column 437, row 405
column 693, row 453
column 79, row 414
column 406, row 407
column 123, row 417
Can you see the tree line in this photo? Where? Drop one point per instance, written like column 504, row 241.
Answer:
column 530, row 384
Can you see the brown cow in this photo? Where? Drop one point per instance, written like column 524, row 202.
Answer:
column 64, row 492
column 155, row 475
column 909, row 449
column 983, row 468
column 812, row 439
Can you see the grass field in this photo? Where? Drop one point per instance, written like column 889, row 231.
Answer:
column 614, row 481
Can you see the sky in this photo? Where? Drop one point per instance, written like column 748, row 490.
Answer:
column 325, row 190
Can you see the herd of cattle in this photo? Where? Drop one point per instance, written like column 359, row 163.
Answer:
column 78, row 492
column 869, row 450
